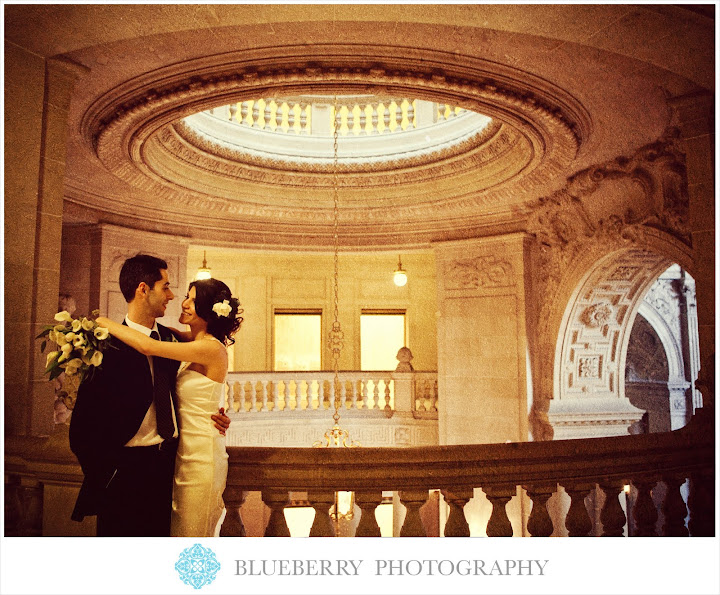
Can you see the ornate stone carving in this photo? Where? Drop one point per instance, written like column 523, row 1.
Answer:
column 598, row 314
column 565, row 231
column 473, row 273
column 589, row 366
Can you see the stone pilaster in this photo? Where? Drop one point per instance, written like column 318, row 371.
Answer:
column 37, row 98
column 694, row 117
column 482, row 342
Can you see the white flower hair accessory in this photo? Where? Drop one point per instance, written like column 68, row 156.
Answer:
column 222, row 308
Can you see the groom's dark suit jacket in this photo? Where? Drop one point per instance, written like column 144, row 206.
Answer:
column 109, row 409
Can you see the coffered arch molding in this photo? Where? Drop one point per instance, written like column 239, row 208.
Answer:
column 604, row 294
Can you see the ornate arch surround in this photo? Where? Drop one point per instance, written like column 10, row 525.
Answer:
column 539, row 130
column 591, row 349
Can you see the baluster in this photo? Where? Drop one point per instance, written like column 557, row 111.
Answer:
column 253, row 396
column 456, row 525
column 353, row 395
column 376, row 395
column 322, row 523
column 313, row 403
column 232, row 524
column 264, row 384
column 321, row 394
column 701, row 501
column 388, row 407
column 644, row 512
column 229, row 396
column 343, row 394
column 413, row 501
column 368, row 502
column 540, row 524
column 578, row 521
column 674, row 509
column 499, row 524
column 276, row 500
column 285, row 395
column 612, row 515
column 365, row 399
column 303, row 394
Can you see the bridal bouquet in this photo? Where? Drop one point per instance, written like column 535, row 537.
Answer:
column 80, row 345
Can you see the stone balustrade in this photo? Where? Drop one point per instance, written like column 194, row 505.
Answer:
column 42, row 478
column 599, row 469
column 284, row 392
column 356, row 117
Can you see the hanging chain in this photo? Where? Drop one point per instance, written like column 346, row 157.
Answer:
column 336, row 436
column 336, row 334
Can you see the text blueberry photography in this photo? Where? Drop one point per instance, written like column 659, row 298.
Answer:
column 197, row 566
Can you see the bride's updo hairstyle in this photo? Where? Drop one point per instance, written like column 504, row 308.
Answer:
column 223, row 320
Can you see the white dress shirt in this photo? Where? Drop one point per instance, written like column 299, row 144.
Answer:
column 147, row 434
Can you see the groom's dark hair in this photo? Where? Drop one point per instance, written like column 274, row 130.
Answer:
column 138, row 269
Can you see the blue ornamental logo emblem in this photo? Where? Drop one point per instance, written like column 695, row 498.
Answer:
column 197, row 566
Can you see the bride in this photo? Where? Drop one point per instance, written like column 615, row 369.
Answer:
column 213, row 316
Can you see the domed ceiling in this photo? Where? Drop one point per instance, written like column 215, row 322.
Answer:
column 215, row 122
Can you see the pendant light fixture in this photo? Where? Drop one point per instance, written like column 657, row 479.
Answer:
column 400, row 276
column 203, row 272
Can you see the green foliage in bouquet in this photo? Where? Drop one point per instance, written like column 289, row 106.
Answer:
column 80, row 345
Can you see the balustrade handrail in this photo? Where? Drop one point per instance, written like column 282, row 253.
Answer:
column 616, row 458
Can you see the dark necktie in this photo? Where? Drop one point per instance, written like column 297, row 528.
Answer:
column 161, row 396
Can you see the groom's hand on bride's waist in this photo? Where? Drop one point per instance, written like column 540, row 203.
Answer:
column 222, row 421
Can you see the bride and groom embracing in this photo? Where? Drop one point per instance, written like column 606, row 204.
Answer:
column 146, row 428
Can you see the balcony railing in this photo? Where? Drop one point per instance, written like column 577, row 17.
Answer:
column 569, row 470
column 255, row 392
column 557, row 478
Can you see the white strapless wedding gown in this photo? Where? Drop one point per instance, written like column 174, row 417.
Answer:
column 202, row 462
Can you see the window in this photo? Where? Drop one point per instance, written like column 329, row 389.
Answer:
column 382, row 333
column 297, row 337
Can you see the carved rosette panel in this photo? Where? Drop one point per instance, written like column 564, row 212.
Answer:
column 480, row 272
column 598, row 315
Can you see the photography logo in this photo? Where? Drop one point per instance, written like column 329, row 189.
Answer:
column 197, row 566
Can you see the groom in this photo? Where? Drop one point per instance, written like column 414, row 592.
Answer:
column 124, row 428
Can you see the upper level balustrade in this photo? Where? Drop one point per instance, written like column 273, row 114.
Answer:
column 386, row 409
column 250, row 392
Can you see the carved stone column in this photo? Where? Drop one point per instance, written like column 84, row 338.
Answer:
column 674, row 509
column 499, row 524
column 368, row 502
column 612, row 516
column 540, row 524
column 233, row 525
column 413, row 501
column 701, row 503
column 322, row 524
column 457, row 525
column 578, row 521
column 276, row 500
column 644, row 511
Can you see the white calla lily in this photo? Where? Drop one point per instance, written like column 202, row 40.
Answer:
column 63, row 316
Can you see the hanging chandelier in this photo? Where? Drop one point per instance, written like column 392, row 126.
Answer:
column 336, row 436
